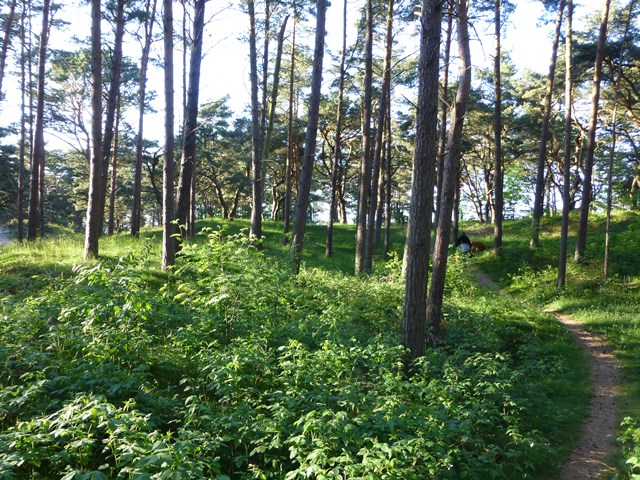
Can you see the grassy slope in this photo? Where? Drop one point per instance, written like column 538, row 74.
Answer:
column 612, row 308
column 497, row 351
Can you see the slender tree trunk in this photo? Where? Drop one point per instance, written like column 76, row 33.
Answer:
column 623, row 47
column 8, row 26
column 338, row 140
column 291, row 139
column 498, row 201
column 94, row 215
column 191, row 121
column 566, row 171
column 114, row 176
column 444, row 108
column 451, row 168
column 364, row 193
column 546, row 114
column 302, row 202
column 581, row 240
column 422, row 183
column 388, row 176
column 38, row 141
column 112, row 105
column 266, row 150
column 23, row 131
column 136, row 211
column 375, row 172
column 168, row 171
column 256, row 150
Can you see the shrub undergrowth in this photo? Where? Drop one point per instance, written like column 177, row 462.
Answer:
column 233, row 368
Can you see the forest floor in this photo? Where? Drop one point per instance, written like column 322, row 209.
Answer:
column 596, row 445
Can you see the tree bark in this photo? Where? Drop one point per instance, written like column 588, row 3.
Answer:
column 291, row 140
column 114, row 176
column 136, row 210
column 38, row 140
column 542, row 153
column 168, row 171
column 566, row 171
column 5, row 40
column 616, row 82
column 256, row 150
column 422, row 184
column 187, row 167
column 375, row 171
column 94, row 215
column 498, row 190
column 444, row 108
column 302, row 202
column 338, row 140
column 112, row 105
column 364, row 192
column 23, row 130
column 452, row 165
column 581, row 240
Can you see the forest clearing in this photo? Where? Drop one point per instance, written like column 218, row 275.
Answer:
column 231, row 366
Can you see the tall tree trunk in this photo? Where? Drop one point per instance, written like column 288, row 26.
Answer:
column 114, row 176
column 422, row 183
column 451, row 168
column 38, row 141
column 191, row 121
column 94, row 215
column 444, row 108
column 168, row 170
column 581, row 240
column 616, row 81
column 291, row 139
column 542, row 153
column 566, row 171
column 498, row 191
column 364, row 192
column 338, row 140
column 8, row 26
column 388, row 175
column 112, row 105
column 304, row 189
column 256, row 143
column 375, row 172
column 266, row 150
column 136, row 211
column 23, row 130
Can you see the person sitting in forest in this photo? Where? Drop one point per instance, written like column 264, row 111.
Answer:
column 463, row 244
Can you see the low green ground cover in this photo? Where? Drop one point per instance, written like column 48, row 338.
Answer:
column 231, row 367
column 610, row 308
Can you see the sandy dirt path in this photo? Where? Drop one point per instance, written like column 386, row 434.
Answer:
column 593, row 450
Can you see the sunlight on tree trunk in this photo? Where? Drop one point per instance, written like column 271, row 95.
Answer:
column 566, row 171
column 451, row 167
column 188, row 162
column 498, row 186
column 256, row 149
column 168, row 171
column 302, row 202
column 364, row 192
column 94, row 216
column 581, row 240
column 422, row 183
column 546, row 114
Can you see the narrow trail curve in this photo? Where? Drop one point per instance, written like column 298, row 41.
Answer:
column 597, row 442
